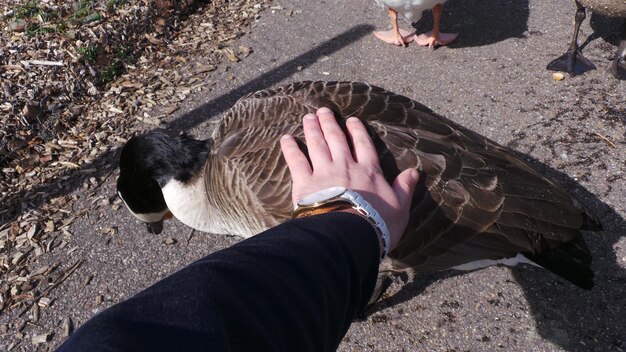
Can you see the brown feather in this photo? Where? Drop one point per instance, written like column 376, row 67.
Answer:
column 475, row 200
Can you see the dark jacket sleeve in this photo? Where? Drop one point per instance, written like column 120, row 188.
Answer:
column 296, row 287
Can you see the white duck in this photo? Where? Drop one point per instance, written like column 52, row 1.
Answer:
column 412, row 10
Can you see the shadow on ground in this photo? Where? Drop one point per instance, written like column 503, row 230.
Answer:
column 599, row 315
column 477, row 23
column 607, row 28
column 568, row 316
column 575, row 319
column 269, row 78
column 106, row 164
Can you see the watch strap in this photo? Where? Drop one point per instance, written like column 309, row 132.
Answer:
column 364, row 208
column 325, row 208
column 349, row 199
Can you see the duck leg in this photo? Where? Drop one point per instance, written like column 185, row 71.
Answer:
column 435, row 38
column 618, row 68
column 395, row 36
column 573, row 60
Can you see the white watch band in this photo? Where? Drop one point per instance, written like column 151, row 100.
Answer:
column 367, row 210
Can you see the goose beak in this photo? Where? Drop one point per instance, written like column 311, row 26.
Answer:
column 155, row 227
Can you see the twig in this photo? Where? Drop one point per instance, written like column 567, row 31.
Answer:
column 42, row 63
column 605, row 139
column 60, row 280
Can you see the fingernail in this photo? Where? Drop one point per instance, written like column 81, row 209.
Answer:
column 285, row 137
column 352, row 118
column 324, row 110
column 310, row 117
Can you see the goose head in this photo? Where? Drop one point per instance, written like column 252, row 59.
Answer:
column 151, row 162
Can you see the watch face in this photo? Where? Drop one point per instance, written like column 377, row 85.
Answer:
column 321, row 196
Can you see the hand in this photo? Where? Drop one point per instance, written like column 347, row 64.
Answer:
column 334, row 165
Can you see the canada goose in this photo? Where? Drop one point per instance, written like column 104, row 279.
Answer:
column 476, row 203
column 412, row 10
column 573, row 60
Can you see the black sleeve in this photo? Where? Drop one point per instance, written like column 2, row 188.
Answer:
column 296, row 287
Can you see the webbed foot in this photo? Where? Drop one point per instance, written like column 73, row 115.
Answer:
column 402, row 38
column 432, row 41
column 618, row 67
column 572, row 62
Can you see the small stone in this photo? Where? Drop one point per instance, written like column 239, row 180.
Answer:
column 39, row 339
column 67, row 327
column 44, row 302
column 170, row 241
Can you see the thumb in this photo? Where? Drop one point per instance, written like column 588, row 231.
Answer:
column 404, row 185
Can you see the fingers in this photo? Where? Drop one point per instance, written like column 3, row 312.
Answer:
column 335, row 138
column 364, row 150
column 296, row 160
column 315, row 141
column 404, row 185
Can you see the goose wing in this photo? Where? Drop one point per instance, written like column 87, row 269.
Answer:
column 475, row 199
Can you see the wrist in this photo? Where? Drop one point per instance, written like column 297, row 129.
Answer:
column 346, row 200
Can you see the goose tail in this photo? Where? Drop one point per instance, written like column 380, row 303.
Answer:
column 571, row 261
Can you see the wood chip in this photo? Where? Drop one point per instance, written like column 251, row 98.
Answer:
column 67, row 327
column 154, row 40
column 206, row 68
column 44, row 302
column 32, row 231
column 169, row 110
column 35, row 313
column 129, row 84
column 61, row 115
column 230, row 55
column 245, row 51
column 42, row 63
column 39, row 339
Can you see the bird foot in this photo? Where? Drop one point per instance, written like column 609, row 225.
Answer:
column 391, row 37
column 572, row 62
column 427, row 39
column 618, row 67
column 619, row 71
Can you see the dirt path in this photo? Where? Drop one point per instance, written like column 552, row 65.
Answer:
column 491, row 80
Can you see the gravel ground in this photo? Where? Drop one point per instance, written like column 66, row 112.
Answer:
column 492, row 80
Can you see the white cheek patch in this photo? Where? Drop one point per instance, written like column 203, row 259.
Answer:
column 146, row 217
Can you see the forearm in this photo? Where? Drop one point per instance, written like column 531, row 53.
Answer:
column 295, row 287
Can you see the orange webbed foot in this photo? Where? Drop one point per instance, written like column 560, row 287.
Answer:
column 403, row 38
column 427, row 39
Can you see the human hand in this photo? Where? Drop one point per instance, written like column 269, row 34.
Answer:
column 334, row 165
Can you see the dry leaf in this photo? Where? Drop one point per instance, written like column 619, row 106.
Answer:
column 39, row 339
column 230, row 55
column 129, row 84
column 153, row 40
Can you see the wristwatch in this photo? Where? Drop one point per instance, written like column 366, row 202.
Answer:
column 341, row 198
